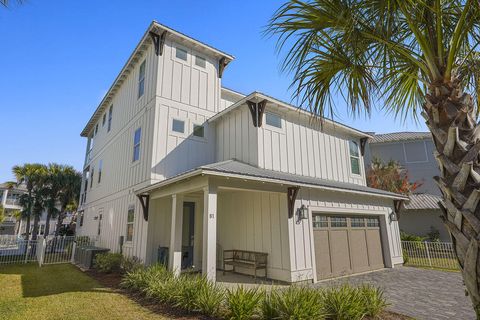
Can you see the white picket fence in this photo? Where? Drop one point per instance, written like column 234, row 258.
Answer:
column 429, row 254
column 49, row 250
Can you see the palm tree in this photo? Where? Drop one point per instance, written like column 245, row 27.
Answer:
column 30, row 174
column 2, row 213
column 407, row 57
column 69, row 194
column 54, row 184
column 18, row 215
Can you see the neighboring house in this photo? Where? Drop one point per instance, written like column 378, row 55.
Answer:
column 10, row 199
column 414, row 151
column 176, row 163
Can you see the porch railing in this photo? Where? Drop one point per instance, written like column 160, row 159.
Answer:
column 429, row 254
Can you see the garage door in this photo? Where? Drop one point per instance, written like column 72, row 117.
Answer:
column 346, row 244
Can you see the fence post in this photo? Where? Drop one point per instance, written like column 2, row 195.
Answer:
column 428, row 254
column 74, row 248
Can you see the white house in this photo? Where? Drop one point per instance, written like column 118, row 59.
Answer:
column 176, row 162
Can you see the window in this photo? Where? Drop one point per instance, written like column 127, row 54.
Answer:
column 136, row 144
column 357, row 222
column 198, row 131
column 81, row 219
column 110, row 115
column 273, row 120
column 92, row 174
column 415, row 151
column 354, row 157
column 201, row 62
column 338, row 222
column 181, row 54
column 178, row 126
column 141, row 80
column 373, row 222
column 104, row 119
column 96, row 130
column 130, row 219
column 100, row 165
column 320, row 221
column 100, row 216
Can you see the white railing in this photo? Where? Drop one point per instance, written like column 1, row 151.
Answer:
column 429, row 254
column 15, row 250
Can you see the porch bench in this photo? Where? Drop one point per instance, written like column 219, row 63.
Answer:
column 245, row 259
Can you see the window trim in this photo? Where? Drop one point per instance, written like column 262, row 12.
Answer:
column 176, row 133
column 100, row 168
column 110, row 117
column 92, row 175
column 202, row 138
column 350, row 156
column 197, row 56
column 424, row 148
column 141, row 79
column 104, row 119
column 267, row 113
column 132, row 223
column 178, row 47
column 138, row 144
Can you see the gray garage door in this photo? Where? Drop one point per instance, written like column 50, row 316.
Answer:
column 346, row 244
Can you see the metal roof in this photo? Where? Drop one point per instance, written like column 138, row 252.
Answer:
column 243, row 170
column 400, row 136
column 6, row 185
column 422, row 201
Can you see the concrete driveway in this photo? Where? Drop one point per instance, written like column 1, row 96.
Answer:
column 418, row 293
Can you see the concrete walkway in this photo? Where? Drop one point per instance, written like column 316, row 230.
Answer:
column 418, row 293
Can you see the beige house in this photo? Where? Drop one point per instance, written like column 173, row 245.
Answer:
column 179, row 169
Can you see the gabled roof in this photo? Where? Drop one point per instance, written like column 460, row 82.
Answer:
column 259, row 96
column 399, row 136
column 157, row 28
column 234, row 168
column 423, row 201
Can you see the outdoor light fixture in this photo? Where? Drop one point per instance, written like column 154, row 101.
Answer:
column 393, row 216
column 302, row 213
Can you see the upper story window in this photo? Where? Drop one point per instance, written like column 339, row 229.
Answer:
column 110, row 116
column 178, row 126
column 273, row 120
column 141, row 80
column 104, row 119
column 415, row 151
column 130, row 220
column 136, row 144
column 181, row 54
column 100, row 169
column 92, row 174
column 354, row 157
column 96, row 130
column 81, row 219
column 198, row 131
column 200, row 61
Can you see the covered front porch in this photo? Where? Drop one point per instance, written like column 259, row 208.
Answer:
column 192, row 222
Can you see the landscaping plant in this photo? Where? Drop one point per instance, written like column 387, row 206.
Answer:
column 242, row 303
column 298, row 303
column 373, row 301
column 344, row 303
column 108, row 262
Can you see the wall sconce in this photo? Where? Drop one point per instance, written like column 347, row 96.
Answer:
column 302, row 213
column 393, row 217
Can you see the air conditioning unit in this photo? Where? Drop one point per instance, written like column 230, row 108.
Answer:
column 85, row 256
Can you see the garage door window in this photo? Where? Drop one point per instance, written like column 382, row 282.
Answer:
column 357, row 222
column 338, row 222
column 373, row 222
column 320, row 222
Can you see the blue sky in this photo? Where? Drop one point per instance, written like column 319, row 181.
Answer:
column 58, row 59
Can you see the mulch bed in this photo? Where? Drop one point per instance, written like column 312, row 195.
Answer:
column 112, row 281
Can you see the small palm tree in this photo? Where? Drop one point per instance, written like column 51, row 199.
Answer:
column 69, row 194
column 407, row 57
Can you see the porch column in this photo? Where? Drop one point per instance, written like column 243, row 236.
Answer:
column 175, row 249
column 209, row 259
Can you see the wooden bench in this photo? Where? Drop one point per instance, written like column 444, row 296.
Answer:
column 245, row 259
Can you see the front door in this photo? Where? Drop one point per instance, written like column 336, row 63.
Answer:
column 188, row 234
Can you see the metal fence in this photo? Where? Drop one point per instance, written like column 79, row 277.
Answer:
column 49, row 250
column 429, row 254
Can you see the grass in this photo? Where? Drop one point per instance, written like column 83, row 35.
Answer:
column 61, row 292
column 437, row 263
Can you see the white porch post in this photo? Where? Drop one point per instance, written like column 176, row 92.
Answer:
column 209, row 259
column 175, row 250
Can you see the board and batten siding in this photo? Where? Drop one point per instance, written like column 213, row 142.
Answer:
column 300, row 232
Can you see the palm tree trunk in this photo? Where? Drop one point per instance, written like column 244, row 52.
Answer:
column 451, row 117
column 27, row 228
column 47, row 225
column 36, row 221
column 59, row 221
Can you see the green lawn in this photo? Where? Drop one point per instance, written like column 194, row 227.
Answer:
column 437, row 263
column 61, row 292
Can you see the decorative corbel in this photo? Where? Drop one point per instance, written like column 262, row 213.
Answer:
column 397, row 207
column 158, row 41
column 144, row 201
column 221, row 66
column 257, row 110
column 363, row 144
column 291, row 197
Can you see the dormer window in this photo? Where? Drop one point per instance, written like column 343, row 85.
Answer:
column 354, row 157
column 273, row 120
column 181, row 54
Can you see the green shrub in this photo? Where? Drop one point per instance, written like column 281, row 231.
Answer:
column 138, row 280
column 108, row 262
column 186, row 293
column 210, row 298
column 268, row 306
column 343, row 303
column 242, row 304
column 406, row 257
column 374, row 302
column 297, row 303
column 130, row 264
column 410, row 237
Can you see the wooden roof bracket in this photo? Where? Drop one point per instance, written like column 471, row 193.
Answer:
column 222, row 63
column 397, row 207
column 292, row 193
column 144, row 201
column 257, row 110
column 158, row 41
column 363, row 144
